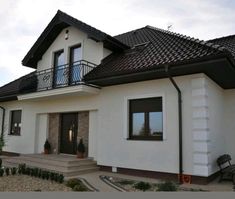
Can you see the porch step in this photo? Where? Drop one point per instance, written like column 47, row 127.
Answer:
column 66, row 165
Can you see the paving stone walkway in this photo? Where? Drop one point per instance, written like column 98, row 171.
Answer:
column 95, row 181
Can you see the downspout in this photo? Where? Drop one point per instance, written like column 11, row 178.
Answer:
column 3, row 119
column 180, row 124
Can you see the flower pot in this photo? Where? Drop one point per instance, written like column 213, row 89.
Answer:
column 80, row 155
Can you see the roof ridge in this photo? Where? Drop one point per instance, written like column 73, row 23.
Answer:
column 129, row 31
column 219, row 38
column 189, row 38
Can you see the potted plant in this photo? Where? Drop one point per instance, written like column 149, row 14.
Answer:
column 47, row 147
column 80, row 149
column 2, row 142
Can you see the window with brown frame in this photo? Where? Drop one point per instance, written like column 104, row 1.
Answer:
column 15, row 122
column 146, row 119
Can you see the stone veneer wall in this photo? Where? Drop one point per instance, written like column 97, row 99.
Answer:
column 54, row 132
column 83, row 128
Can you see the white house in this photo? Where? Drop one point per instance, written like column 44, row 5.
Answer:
column 146, row 102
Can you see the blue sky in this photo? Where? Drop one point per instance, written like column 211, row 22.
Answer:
column 22, row 21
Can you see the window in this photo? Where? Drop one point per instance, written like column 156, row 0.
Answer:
column 61, row 73
column 146, row 119
column 15, row 122
column 75, row 63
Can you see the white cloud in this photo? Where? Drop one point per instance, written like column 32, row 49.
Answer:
column 22, row 21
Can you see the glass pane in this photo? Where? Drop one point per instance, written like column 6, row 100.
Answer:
column 76, row 72
column 59, row 58
column 61, row 73
column 138, row 126
column 15, row 122
column 156, row 123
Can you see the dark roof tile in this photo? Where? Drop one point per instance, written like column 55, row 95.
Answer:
column 164, row 47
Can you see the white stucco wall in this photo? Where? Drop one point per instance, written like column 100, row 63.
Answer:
column 229, row 123
column 41, row 132
column 203, row 125
column 218, row 134
column 92, row 51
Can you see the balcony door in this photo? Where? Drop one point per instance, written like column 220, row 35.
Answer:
column 60, row 70
column 75, row 64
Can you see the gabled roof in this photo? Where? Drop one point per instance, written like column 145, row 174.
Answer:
column 227, row 42
column 60, row 21
column 153, row 48
column 139, row 55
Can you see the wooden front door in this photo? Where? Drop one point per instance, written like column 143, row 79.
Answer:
column 68, row 138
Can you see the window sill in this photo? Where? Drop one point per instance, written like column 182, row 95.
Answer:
column 145, row 139
column 13, row 135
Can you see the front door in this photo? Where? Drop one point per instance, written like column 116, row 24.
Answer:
column 68, row 138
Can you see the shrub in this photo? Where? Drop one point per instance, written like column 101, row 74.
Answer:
column 73, row 182
column 27, row 171
column 47, row 175
column 80, row 187
column 142, row 186
column 22, row 169
column 126, row 182
column 0, row 163
column 52, row 176
column 36, row 172
column 1, row 172
column 40, row 173
column 61, row 178
column 13, row 170
column 7, row 171
column 167, row 186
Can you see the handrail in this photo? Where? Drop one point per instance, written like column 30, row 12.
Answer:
column 61, row 76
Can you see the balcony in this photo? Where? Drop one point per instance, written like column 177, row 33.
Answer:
column 62, row 80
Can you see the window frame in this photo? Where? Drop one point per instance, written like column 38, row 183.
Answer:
column 128, row 122
column 11, row 120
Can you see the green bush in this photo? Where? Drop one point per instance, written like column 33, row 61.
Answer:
column 73, row 182
column 7, row 171
column 126, row 182
column 52, row 176
column 61, row 178
column 1, row 172
column 144, row 186
column 22, row 169
column 13, row 170
column 80, row 187
column 40, row 173
column 167, row 186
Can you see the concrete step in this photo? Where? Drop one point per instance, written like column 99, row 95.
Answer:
column 73, row 161
column 16, row 162
column 41, row 162
column 67, row 166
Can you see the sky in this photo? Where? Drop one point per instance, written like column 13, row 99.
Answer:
column 22, row 21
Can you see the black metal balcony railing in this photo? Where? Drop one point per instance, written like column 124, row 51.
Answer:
column 58, row 77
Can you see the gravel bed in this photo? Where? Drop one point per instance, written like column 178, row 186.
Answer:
column 23, row 183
